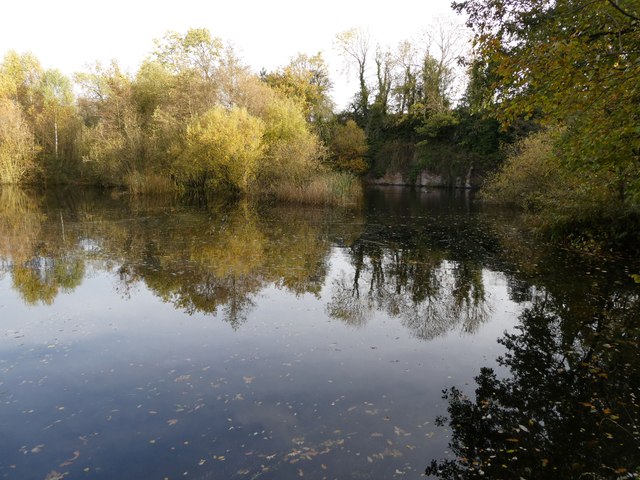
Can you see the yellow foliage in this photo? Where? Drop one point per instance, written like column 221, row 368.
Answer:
column 17, row 144
column 349, row 146
column 223, row 148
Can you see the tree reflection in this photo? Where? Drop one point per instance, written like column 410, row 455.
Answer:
column 43, row 277
column 216, row 263
column 570, row 406
column 411, row 277
column 20, row 223
column 40, row 268
column 213, row 258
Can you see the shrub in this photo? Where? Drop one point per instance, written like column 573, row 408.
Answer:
column 562, row 201
column 292, row 151
column 530, row 173
column 222, row 149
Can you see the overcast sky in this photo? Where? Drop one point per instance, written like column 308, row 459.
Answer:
column 70, row 34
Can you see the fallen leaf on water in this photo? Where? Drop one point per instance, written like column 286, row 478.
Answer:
column 53, row 475
column 399, row 431
column 69, row 461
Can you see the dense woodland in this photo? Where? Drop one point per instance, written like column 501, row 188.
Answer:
column 192, row 117
column 539, row 104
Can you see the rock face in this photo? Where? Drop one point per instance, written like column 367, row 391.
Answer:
column 427, row 179
column 389, row 179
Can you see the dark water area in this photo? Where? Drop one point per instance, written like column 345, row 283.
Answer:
column 153, row 338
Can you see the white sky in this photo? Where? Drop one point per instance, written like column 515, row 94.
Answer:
column 71, row 34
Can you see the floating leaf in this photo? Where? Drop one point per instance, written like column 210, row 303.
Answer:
column 69, row 461
column 53, row 475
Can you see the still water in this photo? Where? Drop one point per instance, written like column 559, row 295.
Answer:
column 157, row 338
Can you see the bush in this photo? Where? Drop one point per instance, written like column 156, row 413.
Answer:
column 572, row 204
column 292, row 151
column 222, row 149
column 530, row 173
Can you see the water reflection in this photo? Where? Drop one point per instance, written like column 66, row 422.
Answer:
column 211, row 260
column 217, row 258
column 570, row 405
column 158, row 337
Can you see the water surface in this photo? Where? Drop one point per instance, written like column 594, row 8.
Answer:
column 157, row 338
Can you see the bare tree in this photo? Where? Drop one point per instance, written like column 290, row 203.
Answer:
column 353, row 45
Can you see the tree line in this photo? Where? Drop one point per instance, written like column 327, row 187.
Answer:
column 192, row 116
column 548, row 119
column 539, row 107
column 570, row 68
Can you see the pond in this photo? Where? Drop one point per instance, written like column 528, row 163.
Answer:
column 159, row 338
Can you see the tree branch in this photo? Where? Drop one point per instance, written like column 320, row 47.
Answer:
column 622, row 11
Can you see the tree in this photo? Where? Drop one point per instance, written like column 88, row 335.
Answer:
column 112, row 139
column 57, row 106
column 572, row 63
column 20, row 76
column 349, row 147
column 17, row 144
column 194, row 58
column 405, row 79
column 195, row 51
column 354, row 46
column 305, row 79
column 385, row 63
column 292, row 152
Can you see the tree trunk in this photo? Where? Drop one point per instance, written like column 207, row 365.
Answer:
column 55, row 130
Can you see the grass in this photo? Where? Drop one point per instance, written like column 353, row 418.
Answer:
column 334, row 188
column 148, row 183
